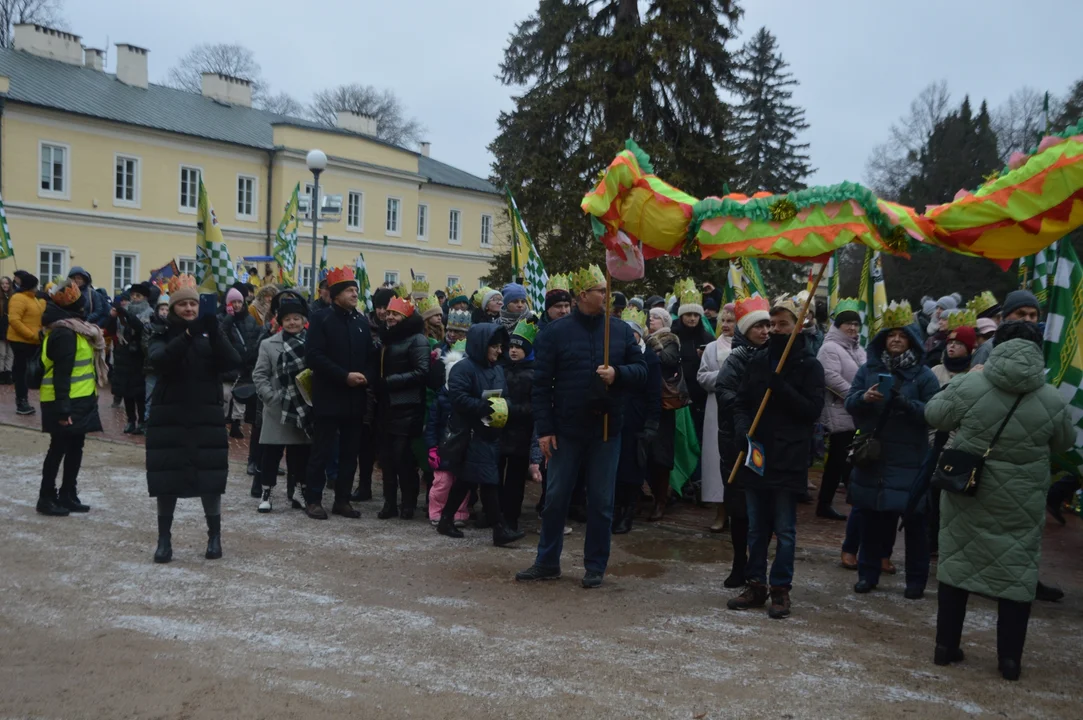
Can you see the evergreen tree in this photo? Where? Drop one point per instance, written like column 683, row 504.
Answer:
column 594, row 73
column 767, row 123
column 1071, row 111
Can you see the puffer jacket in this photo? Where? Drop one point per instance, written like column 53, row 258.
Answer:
column 725, row 389
column 83, row 411
column 841, row 356
column 24, row 317
column 642, row 424
column 904, row 441
column 244, row 333
column 439, row 414
column 519, row 377
column 466, row 383
column 991, row 543
column 404, row 374
column 129, row 350
column 569, row 398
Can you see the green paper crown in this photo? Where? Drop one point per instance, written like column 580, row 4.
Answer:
column 687, row 293
column 428, row 304
column 402, row 292
column 476, row 298
column 980, row 303
column 962, row 318
column 633, row 314
column 525, row 330
column 559, row 282
column 456, row 292
column 847, row 305
column 898, row 315
column 586, row 278
column 459, row 347
column 419, row 288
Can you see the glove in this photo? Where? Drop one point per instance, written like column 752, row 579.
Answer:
column 900, row 404
column 434, row 458
column 210, row 326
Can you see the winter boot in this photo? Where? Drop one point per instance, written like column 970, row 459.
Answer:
column 389, row 510
column 754, row 596
column 503, row 537
column 446, row 527
column 265, row 501
column 235, row 430
column 291, row 492
column 780, row 603
column 70, row 500
column 622, row 519
column 164, row 552
column 736, row 578
column 257, row 487
column 214, row 537
column 48, row 505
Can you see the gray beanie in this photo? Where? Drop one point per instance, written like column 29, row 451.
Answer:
column 947, row 303
column 1018, row 299
column 929, row 307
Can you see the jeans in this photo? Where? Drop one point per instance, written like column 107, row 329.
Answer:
column 599, row 459
column 771, row 511
column 69, row 448
column 1012, row 619
column 332, row 438
column 23, row 352
column 878, row 534
column 836, row 468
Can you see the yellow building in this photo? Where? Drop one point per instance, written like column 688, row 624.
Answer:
column 102, row 171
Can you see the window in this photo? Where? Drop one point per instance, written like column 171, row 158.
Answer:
column 309, row 188
column 486, row 230
column 394, row 223
column 126, row 181
column 391, row 278
column 304, row 276
column 454, row 227
column 452, row 281
column 123, row 271
column 189, row 188
column 52, row 263
column 355, row 213
column 423, row 222
column 421, row 277
column 246, row 197
column 54, row 171
column 187, row 265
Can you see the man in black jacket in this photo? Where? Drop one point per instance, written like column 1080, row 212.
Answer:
column 785, row 434
column 341, row 354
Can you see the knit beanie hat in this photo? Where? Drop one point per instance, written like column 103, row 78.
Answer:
column 654, row 301
column 163, row 299
column 847, row 316
column 1018, row 299
column 233, row 295
column 929, row 307
column 947, row 303
column 620, row 301
column 986, row 326
column 459, row 320
column 965, row 335
column 382, row 297
column 710, row 304
column 511, row 293
column 555, row 296
column 491, row 294
column 186, row 293
column 636, row 302
column 661, row 314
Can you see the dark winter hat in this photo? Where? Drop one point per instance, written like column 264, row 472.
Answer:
column 141, row 288
column 654, row 301
column 382, row 297
column 1019, row 299
column 289, row 306
column 846, row 316
column 1019, row 330
column 557, row 296
column 620, row 301
column 26, row 280
column 710, row 304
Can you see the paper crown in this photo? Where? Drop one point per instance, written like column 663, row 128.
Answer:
column 460, row 320
column 526, row 330
column 476, row 298
column 744, row 306
column 897, row 315
column 962, row 318
column 498, row 418
column 402, row 292
column 342, row 274
column 847, row 305
column 179, row 282
column 402, row 306
column 459, row 346
column 586, row 278
column 66, row 294
column 558, row 282
column 787, row 302
column 456, row 294
column 982, row 303
column 632, row 314
column 419, row 289
column 687, row 293
column 429, row 306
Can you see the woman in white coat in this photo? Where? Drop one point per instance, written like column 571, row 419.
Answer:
column 714, row 485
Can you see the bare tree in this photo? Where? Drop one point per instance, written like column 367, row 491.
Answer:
column 1020, row 122
column 42, row 12
column 391, row 122
column 892, row 163
column 282, row 104
column 226, row 58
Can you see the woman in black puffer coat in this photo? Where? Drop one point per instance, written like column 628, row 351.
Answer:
column 187, row 447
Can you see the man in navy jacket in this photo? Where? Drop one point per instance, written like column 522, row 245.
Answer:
column 574, row 391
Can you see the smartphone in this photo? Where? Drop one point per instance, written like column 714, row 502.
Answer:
column 886, row 383
column 208, row 305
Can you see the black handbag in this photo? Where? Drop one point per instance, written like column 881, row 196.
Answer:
column 959, row 471
column 454, row 444
column 865, row 450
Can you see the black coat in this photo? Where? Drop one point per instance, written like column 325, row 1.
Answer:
column 127, row 379
column 661, row 449
column 519, row 431
column 404, row 377
column 467, row 380
column 187, row 447
column 787, row 426
column 339, row 342
column 243, row 333
column 642, row 417
column 692, row 339
column 726, row 386
column 83, row 411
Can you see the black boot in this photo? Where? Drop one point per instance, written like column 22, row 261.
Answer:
column 164, row 552
column 622, row 519
column 361, row 494
column 1048, row 593
column 214, row 537
column 502, row 536
column 736, row 578
column 389, row 510
column 257, row 486
column 1059, row 493
column 48, row 505
column 446, row 526
column 235, row 430
column 70, row 500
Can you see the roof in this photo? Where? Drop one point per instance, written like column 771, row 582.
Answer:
column 84, row 91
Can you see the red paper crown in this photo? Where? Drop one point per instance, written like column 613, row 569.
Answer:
column 749, row 305
column 340, row 275
column 402, row 306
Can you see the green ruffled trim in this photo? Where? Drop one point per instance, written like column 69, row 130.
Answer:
column 641, row 157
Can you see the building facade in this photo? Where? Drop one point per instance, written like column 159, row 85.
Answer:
column 102, row 170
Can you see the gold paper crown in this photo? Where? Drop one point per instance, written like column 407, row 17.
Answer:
column 687, row 293
column 559, row 282
column 633, row 314
column 66, row 294
column 419, row 288
column 179, row 282
column 402, row 292
column 586, row 278
column 428, row 304
column 980, row 303
column 898, row 315
column 847, row 305
column 456, row 292
column 477, row 297
column 962, row 318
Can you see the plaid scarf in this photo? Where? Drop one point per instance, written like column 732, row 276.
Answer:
column 899, row 362
column 94, row 336
column 290, row 363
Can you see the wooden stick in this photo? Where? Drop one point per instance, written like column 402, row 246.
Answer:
column 605, row 350
column 778, row 369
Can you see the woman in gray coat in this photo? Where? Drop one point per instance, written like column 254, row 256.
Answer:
column 286, row 415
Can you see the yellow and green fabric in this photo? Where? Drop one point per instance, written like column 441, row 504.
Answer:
column 83, row 381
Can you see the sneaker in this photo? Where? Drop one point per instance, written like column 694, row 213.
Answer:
column 129, row 428
column 780, row 603
column 460, row 524
column 536, row 572
column 265, row 501
column 567, row 529
column 754, row 596
column 435, row 522
column 24, row 409
column 47, row 505
column 592, row 580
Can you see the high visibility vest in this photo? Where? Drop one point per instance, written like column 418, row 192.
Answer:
column 83, row 382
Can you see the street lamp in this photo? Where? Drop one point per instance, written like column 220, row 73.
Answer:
column 317, row 162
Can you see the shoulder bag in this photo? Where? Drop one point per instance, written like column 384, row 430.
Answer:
column 959, row 471
column 865, row 449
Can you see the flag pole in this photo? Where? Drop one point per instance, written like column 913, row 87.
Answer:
column 605, row 349
column 778, row 369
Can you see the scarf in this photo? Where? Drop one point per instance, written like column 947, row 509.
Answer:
column 94, row 336
column 509, row 320
column 723, row 347
column 957, row 365
column 290, row 363
column 895, row 363
column 262, row 306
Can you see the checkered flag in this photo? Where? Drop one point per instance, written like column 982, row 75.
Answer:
column 214, row 268
column 1064, row 367
column 526, row 262
column 1035, row 272
column 6, row 250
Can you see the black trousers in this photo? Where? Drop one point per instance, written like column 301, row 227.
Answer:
column 399, row 470
column 490, row 500
column 1012, row 619
column 514, row 471
column 626, row 494
column 325, row 432
column 22, row 352
column 366, row 459
column 296, row 465
column 212, row 505
column 836, row 467
column 135, row 409
column 255, row 450
column 69, row 448
column 737, row 512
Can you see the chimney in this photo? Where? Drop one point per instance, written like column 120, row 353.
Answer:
column 426, row 147
column 49, row 43
column 356, row 122
column 94, row 58
column 132, row 65
column 227, row 89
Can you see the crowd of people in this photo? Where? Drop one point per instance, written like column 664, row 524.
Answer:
column 462, row 400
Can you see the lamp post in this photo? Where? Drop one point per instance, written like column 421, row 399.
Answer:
column 316, row 161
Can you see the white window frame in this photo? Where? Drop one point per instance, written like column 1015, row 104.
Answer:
column 312, row 208
column 182, row 261
column 65, row 262
column 65, row 177
column 359, row 226
column 391, row 276
column 254, row 215
column 397, row 230
column 486, row 242
column 420, row 277
column 452, row 281
column 135, row 267
column 457, row 238
column 137, row 181
column 423, row 223
column 181, row 207
column 304, row 276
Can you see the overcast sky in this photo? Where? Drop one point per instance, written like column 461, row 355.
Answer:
column 859, row 62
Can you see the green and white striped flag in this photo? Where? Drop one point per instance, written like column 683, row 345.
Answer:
column 364, row 286
column 6, row 249
column 285, row 248
column 1036, row 272
column 525, row 260
column 214, row 268
column 1063, row 361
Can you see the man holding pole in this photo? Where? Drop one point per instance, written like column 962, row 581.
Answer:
column 777, row 470
column 585, row 364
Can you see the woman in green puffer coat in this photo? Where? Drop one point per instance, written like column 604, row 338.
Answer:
column 991, row 543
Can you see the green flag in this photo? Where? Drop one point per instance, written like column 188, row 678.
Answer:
column 285, row 248
column 364, row 286
column 1063, row 360
column 323, row 260
column 6, row 250
column 743, row 280
column 214, row 269
column 526, row 262
column 1036, row 272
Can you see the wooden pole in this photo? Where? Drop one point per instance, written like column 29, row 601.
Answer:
column 778, row 368
column 605, row 349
